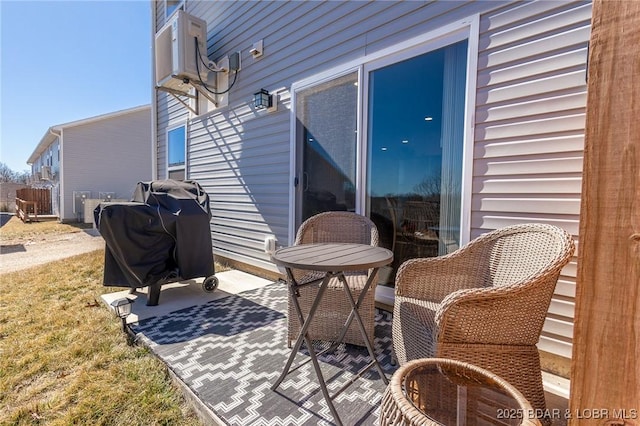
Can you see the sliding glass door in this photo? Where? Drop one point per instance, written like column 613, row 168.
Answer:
column 415, row 133
column 405, row 170
column 326, row 147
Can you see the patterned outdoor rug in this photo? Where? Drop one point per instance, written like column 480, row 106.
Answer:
column 229, row 351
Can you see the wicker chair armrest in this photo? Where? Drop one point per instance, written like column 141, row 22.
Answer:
column 508, row 315
column 434, row 278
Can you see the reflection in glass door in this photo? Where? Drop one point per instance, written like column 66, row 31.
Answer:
column 326, row 135
column 414, row 160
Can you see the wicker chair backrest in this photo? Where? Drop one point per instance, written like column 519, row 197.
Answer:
column 516, row 253
column 337, row 227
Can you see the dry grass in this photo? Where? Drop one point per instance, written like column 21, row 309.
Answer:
column 15, row 229
column 64, row 359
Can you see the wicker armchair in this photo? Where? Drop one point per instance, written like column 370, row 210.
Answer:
column 332, row 313
column 484, row 303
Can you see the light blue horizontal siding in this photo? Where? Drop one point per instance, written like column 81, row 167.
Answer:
column 529, row 132
column 529, row 115
column 241, row 156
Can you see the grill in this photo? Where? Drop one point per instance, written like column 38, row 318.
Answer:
column 161, row 236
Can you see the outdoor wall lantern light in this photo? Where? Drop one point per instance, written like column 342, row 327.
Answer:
column 122, row 307
column 262, row 99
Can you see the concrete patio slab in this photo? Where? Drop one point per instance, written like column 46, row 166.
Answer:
column 185, row 294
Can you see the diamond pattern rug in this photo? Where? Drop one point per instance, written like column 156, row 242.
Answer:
column 229, row 352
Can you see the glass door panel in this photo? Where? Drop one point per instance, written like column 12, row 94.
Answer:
column 326, row 132
column 414, row 162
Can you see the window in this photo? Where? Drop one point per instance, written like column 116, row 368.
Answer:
column 415, row 151
column 327, row 123
column 176, row 150
column 171, row 6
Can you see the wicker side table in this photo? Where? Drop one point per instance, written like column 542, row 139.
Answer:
column 436, row 391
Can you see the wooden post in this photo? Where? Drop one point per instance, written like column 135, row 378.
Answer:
column 605, row 370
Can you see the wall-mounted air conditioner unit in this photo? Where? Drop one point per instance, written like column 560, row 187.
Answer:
column 175, row 52
column 45, row 172
column 106, row 196
column 79, row 198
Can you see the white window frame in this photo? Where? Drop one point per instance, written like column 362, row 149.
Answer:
column 468, row 29
column 293, row 172
column 186, row 152
column 179, row 6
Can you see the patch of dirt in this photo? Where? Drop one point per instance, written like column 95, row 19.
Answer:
column 16, row 255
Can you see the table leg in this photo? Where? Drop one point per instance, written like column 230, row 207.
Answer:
column 303, row 334
column 354, row 313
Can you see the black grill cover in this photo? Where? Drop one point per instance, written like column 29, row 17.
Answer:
column 164, row 230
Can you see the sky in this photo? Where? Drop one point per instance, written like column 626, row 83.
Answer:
column 63, row 61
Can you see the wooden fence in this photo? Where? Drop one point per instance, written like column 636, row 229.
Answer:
column 31, row 202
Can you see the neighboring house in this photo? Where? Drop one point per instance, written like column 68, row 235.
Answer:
column 448, row 116
column 97, row 158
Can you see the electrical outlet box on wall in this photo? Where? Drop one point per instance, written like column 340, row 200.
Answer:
column 270, row 244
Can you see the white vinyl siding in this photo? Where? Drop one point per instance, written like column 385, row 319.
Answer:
column 105, row 155
column 529, row 133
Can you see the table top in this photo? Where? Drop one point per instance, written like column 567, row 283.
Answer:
column 333, row 257
column 445, row 391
